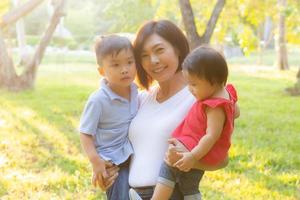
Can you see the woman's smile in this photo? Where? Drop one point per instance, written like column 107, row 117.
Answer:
column 159, row 69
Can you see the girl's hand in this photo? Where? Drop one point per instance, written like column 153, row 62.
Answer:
column 186, row 163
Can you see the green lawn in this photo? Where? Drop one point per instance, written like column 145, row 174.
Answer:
column 41, row 157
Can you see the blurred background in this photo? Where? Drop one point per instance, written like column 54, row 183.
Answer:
column 48, row 69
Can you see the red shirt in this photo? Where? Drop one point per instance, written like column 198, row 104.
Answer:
column 193, row 127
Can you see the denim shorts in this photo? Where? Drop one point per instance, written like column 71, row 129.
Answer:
column 120, row 187
column 188, row 182
column 146, row 193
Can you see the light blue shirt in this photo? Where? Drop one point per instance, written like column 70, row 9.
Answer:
column 106, row 117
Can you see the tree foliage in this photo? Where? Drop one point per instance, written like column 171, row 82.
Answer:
column 4, row 7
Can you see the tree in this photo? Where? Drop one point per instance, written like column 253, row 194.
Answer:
column 8, row 76
column 189, row 22
column 23, row 52
column 282, row 57
column 295, row 90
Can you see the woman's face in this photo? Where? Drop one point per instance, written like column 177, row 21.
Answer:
column 159, row 58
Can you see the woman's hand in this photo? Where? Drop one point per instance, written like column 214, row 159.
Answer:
column 174, row 148
column 174, row 151
column 99, row 172
column 106, row 180
column 112, row 174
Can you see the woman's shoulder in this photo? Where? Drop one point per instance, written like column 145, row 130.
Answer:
column 144, row 94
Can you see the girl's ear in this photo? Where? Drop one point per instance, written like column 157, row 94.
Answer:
column 101, row 71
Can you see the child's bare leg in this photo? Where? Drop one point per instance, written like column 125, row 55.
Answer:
column 162, row 192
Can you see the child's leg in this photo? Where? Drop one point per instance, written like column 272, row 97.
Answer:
column 166, row 183
column 120, row 187
column 189, row 184
column 162, row 192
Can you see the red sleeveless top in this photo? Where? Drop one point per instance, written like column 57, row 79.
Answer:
column 193, row 127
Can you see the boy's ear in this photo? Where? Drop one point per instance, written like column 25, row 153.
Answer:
column 100, row 70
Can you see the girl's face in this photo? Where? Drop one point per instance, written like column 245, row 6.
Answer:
column 159, row 58
column 199, row 87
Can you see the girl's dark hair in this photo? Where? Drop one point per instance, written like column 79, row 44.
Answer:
column 206, row 62
column 167, row 30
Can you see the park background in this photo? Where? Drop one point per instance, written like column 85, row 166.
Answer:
column 48, row 69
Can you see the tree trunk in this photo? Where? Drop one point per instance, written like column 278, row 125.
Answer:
column 282, row 57
column 189, row 22
column 7, row 71
column 20, row 31
column 17, row 13
column 8, row 77
column 30, row 73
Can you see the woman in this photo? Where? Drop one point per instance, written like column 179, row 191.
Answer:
column 160, row 49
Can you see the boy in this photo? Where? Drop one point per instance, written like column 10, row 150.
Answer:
column 108, row 112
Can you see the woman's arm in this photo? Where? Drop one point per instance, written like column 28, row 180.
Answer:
column 236, row 111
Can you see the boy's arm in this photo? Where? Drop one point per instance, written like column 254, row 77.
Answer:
column 98, row 164
column 215, row 125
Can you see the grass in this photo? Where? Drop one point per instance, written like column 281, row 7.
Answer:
column 41, row 157
column 268, row 57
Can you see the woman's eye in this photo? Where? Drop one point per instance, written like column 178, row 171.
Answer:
column 130, row 62
column 115, row 65
column 160, row 50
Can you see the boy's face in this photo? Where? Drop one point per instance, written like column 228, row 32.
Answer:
column 199, row 87
column 119, row 69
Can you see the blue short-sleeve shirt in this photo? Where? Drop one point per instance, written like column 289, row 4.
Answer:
column 106, row 117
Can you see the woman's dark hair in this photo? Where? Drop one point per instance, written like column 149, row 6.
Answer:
column 167, row 30
column 206, row 62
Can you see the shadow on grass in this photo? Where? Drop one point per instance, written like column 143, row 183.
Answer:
column 3, row 189
column 64, row 162
column 58, row 107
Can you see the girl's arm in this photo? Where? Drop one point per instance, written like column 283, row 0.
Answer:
column 215, row 124
column 187, row 160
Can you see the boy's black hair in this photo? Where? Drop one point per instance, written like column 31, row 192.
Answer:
column 206, row 62
column 110, row 44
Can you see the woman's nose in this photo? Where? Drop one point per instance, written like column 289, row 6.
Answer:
column 154, row 59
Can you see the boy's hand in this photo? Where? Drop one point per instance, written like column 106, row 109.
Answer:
column 186, row 162
column 99, row 173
